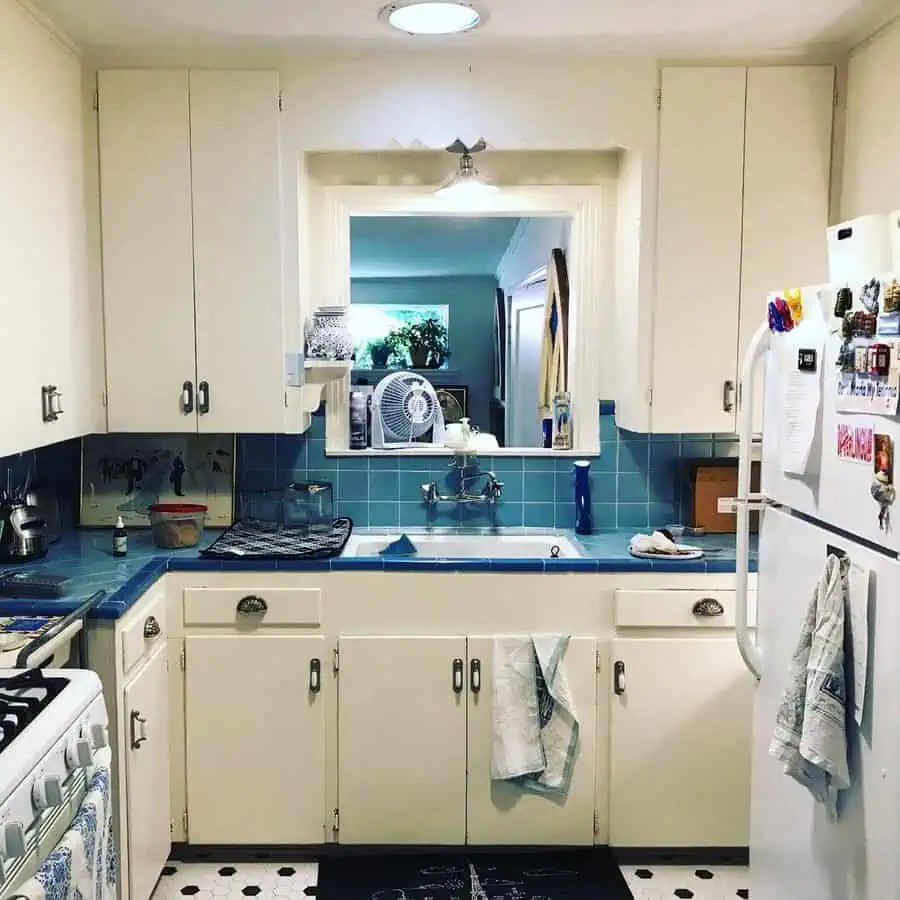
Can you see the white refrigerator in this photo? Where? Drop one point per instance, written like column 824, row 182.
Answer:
column 796, row 852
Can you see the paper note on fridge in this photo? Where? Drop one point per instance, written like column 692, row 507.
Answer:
column 800, row 365
column 859, row 635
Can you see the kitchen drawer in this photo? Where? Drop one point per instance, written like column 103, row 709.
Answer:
column 251, row 609
column 145, row 632
column 678, row 609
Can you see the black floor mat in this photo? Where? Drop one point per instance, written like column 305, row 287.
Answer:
column 538, row 875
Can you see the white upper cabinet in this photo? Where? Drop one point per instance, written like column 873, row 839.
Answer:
column 787, row 178
column 44, row 300
column 698, row 253
column 744, row 175
column 148, row 277
column 237, row 249
column 191, row 216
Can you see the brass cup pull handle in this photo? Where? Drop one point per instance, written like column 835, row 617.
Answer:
column 152, row 627
column 137, row 720
column 707, row 608
column 252, row 605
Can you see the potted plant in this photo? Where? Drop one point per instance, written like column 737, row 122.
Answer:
column 382, row 349
column 427, row 343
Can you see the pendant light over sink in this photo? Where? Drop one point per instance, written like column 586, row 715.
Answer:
column 466, row 182
column 431, row 17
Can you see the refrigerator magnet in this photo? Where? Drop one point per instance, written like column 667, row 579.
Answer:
column 794, row 298
column 856, row 443
column 883, row 491
column 807, row 359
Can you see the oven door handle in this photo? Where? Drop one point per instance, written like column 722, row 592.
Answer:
column 37, row 652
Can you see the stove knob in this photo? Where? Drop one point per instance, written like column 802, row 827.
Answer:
column 47, row 792
column 99, row 736
column 12, row 840
column 79, row 754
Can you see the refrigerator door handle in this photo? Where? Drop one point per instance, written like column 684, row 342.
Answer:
column 756, row 352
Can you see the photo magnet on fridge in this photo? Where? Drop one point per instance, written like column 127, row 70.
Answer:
column 884, row 456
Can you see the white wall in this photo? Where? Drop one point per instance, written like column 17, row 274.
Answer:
column 529, row 249
column 871, row 170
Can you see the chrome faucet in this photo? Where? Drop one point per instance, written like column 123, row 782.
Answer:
column 490, row 493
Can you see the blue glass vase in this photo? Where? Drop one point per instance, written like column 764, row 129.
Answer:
column 583, row 523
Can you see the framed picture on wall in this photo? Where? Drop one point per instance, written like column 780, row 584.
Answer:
column 454, row 402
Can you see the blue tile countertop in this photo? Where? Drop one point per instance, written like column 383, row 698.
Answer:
column 86, row 557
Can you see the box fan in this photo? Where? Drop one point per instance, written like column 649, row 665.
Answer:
column 406, row 413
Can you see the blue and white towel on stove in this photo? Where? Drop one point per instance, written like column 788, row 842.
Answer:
column 535, row 727
column 810, row 735
column 83, row 865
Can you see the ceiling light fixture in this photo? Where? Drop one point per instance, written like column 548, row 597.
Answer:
column 466, row 181
column 431, row 16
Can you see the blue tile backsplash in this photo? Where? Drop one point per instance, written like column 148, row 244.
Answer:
column 636, row 482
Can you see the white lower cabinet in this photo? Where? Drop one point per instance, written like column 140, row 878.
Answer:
column 402, row 740
column 147, row 774
column 255, row 739
column 680, row 743
column 415, row 739
column 501, row 813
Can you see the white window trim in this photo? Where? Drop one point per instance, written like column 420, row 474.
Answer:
column 591, row 282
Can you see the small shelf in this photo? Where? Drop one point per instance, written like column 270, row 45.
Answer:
column 317, row 375
column 321, row 371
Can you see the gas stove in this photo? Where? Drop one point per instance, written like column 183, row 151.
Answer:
column 53, row 733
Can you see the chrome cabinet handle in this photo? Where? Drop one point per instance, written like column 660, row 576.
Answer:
column 708, row 607
column 151, row 627
column 728, row 397
column 619, row 678
column 203, row 398
column 51, row 405
column 137, row 720
column 187, row 397
column 252, row 606
column 475, row 676
column 457, row 676
column 315, row 676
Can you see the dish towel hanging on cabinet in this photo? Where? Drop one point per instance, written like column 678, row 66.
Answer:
column 811, row 730
column 553, row 377
column 83, row 865
column 535, row 726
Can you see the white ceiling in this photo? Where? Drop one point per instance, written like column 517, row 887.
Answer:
column 660, row 27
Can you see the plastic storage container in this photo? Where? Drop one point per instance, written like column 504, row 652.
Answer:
column 177, row 525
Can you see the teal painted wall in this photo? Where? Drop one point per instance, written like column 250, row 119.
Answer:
column 471, row 302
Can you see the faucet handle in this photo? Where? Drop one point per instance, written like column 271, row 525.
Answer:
column 429, row 492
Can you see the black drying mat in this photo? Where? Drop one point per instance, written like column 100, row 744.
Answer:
column 550, row 875
column 252, row 539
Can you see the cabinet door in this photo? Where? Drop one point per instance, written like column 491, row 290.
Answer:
column 237, row 249
column 148, row 272
column 42, row 228
column 698, row 254
column 402, row 740
column 785, row 194
column 146, row 747
column 255, row 740
column 680, row 744
column 502, row 813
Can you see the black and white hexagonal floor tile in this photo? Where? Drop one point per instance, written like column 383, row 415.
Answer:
column 237, row 881
column 688, row 882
